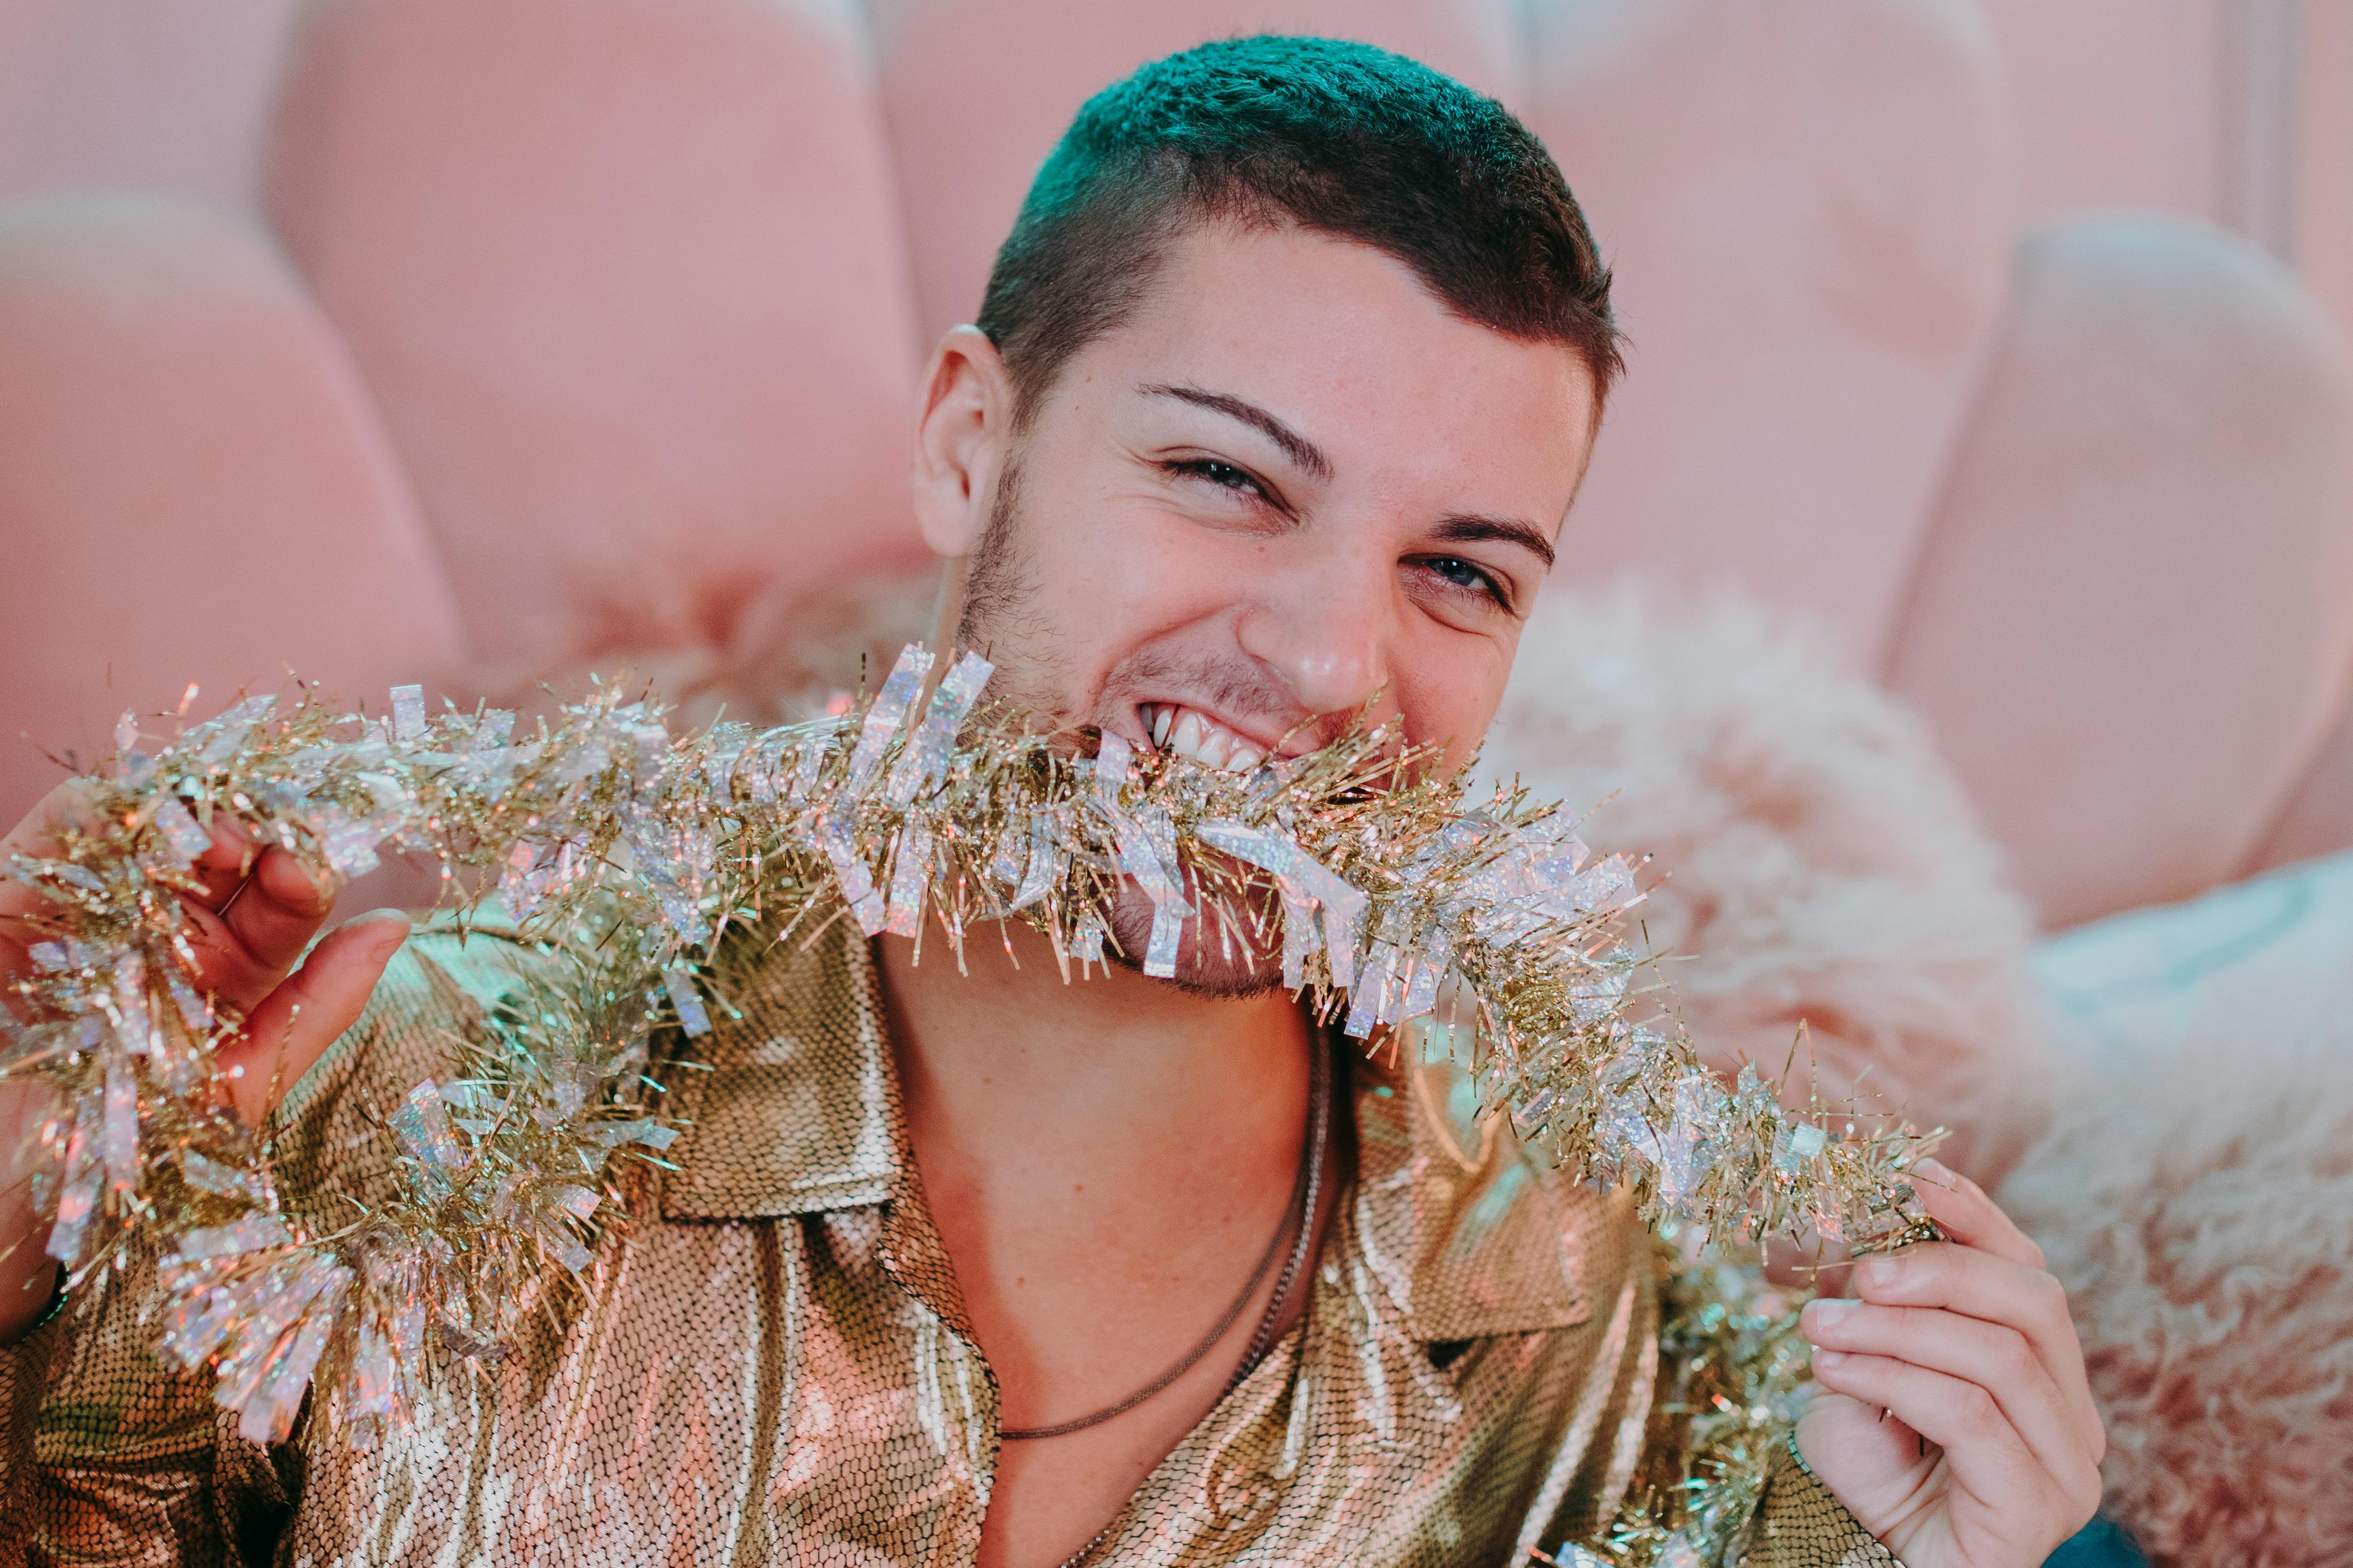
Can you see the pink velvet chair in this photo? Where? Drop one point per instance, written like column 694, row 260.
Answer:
column 976, row 92
column 626, row 278
column 1809, row 257
column 196, row 485
column 635, row 291
column 2134, row 619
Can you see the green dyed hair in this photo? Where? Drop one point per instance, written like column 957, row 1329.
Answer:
column 1339, row 138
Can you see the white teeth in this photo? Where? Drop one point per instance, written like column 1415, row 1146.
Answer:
column 1185, row 737
column 1205, row 740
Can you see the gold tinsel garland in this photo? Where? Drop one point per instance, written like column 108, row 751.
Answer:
column 1735, row 1370
column 629, row 854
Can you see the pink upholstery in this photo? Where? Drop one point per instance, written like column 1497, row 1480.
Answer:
column 2134, row 624
column 2115, row 103
column 2324, row 197
column 1809, row 248
column 640, row 288
column 195, row 486
column 2318, row 817
column 625, row 276
column 977, row 91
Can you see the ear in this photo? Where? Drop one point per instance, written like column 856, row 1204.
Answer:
column 961, row 441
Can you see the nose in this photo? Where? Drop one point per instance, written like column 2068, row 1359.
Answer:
column 1324, row 630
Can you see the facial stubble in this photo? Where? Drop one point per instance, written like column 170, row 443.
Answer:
column 1002, row 620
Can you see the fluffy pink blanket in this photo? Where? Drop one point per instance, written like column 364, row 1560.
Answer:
column 1813, row 860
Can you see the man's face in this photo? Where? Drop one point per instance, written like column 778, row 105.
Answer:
column 1293, row 483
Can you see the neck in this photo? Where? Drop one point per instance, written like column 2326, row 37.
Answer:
column 1006, row 1060
column 1103, row 1162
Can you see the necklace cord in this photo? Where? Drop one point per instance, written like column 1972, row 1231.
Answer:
column 1298, row 1212
column 1319, row 1133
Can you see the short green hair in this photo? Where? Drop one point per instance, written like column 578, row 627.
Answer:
column 1340, row 138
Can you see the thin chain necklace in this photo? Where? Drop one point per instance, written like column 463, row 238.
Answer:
column 1298, row 1216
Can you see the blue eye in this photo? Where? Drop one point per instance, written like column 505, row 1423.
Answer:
column 1457, row 573
column 1225, row 475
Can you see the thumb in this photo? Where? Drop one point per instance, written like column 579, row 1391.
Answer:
column 297, row 1022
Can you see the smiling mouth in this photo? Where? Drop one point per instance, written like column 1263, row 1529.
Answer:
column 1189, row 732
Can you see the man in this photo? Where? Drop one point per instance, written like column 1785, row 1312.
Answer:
column 1282, row 390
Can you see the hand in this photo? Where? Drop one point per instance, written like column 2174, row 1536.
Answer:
column 249, row 927
column 1953, row 1418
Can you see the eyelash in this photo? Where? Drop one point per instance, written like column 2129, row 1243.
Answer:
column 1207, row 470
column 1210, row 470
column 1487, row 584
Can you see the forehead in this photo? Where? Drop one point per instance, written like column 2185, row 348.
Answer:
column 1344, row 343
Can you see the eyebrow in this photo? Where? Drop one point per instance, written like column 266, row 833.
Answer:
column 1461, row 529
column 1502, row 530
column 1303, row 453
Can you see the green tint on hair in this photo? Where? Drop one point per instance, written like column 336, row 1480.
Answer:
column 1337, row 137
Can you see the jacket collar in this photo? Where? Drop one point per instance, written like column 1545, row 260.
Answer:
column 798, row 1113
column 796, row 1110
column 1471, row 1237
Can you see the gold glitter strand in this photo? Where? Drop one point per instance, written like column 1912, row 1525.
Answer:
column 1736, row 1371
column 627, row 854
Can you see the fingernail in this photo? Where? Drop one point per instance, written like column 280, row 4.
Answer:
column 1879, row 1271
column 382, row 918
column 1936, row 1171
column 1825, row 1315
column 1827, row 1358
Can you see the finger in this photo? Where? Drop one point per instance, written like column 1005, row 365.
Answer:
column 297, row 1022
column 35, row 836
column 1993, row 1289
column 243, row 952
column 27, row 1274
column 1808, row 1270
column 1997, row 1359
column 255, row 910
column 281, row 909
column 1989, row 1461
column 1968, row 1215
column 224, row 865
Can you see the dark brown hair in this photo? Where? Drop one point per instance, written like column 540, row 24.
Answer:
column 1340, row 138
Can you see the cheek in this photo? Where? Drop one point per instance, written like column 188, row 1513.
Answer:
column 1123, row 570
column 1449, row 686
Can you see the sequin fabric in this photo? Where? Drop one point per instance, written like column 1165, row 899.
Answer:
column 771, row 1362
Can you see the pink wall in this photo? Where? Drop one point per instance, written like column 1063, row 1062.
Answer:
column 153, row 95
column 2324, row 251
column 2196, row 107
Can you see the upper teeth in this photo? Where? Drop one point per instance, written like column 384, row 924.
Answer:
column 1203, row 739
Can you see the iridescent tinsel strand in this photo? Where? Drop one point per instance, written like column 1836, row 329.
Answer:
column 628, row 854
column 1734, row 1373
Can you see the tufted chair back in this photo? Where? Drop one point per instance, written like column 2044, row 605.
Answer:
column 559, row 313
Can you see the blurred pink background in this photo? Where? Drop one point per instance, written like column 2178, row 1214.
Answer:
column 391, row 338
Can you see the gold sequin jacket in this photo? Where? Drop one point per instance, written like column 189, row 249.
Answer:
column 771, row 1363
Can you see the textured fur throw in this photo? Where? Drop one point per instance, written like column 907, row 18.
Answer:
column 2200, row 1211
column 1818, row 862
column 1816, row 859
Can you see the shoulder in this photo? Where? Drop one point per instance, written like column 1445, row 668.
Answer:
column 329, row 1128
